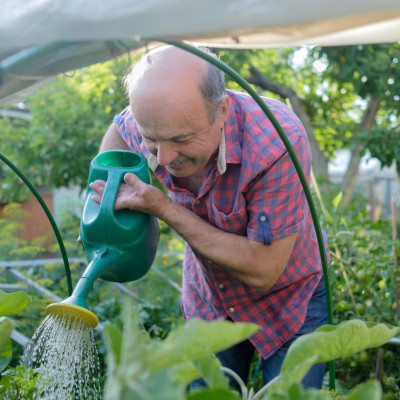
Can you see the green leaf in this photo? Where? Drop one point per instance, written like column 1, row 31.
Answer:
column 214, row 394
column 331, row 342
column 295, row 392
column 5, row 384
column 210, row 369
column 185, row 372
column 197, row 338
column 368, row 391
column 13, row 303
column 336, row 201
column 5, row 355
column 160, row 385
column 6, row 328
column 114, row 339
column 127, row 361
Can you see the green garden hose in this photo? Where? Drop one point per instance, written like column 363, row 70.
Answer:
column 49, row 216
column 245, row 85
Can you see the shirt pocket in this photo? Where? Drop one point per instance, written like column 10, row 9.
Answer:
column 233, row 222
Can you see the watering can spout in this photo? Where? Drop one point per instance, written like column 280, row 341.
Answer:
column 76, row 305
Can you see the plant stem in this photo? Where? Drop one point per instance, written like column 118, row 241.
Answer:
column 263, row 390
column 238, row 379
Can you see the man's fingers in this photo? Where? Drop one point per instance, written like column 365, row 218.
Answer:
column 96, row 198
column 132, row 180
column 98, row 186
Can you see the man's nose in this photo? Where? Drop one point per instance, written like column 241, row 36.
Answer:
column 165, row 153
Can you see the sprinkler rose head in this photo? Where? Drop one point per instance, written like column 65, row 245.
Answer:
column 87, row 317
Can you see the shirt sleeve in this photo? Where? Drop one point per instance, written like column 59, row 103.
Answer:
column 276, row 202
column 126, row 127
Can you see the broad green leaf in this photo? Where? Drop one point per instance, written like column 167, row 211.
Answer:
column 367, row 391
column 336, row 201
column 155, row 387
column 185, row 372
column 295, row 374
column 5, row 355
column 6, row 328
column 214, row 394
column 210, row 369
column 294, row 392
column 331, row 342
column 114, row 342
column 131, row 354
column 159, row 385
column 13, row 303
column 197, row 338
column 6, row 382
column 133, row 346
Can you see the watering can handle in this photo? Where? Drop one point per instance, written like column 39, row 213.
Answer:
column 115, row 178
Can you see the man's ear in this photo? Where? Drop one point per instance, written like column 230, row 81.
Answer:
column 225, row 102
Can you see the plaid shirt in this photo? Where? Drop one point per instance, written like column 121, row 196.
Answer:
column 259, row 196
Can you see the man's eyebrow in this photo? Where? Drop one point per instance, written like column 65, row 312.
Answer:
column 177, row 137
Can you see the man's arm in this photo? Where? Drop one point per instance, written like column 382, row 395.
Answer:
column 112, row 140
column 254, row 263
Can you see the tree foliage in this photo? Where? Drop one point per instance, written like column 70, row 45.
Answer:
column 372, row 71
column 69, row 118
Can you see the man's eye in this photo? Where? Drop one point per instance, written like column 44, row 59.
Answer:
column 180, row 140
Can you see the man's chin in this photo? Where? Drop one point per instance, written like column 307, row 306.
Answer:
column 179, row 173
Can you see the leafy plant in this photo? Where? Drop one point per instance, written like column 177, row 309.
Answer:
column 136, row 363
column 10, row 303
column 146, row 369
column 362, row 281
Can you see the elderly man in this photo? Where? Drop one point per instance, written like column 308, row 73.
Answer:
column 234, row 196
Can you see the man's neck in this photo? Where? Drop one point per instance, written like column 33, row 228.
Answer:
column 193, row 182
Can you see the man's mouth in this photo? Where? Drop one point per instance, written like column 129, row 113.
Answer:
column 177, row 163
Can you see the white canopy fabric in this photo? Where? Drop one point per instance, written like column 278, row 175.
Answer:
column 42, row 38
column 251, row 23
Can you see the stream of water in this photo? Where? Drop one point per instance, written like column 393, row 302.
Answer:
column 64, row 355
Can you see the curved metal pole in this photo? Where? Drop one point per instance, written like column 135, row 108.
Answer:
column 48, row 214
column 245, row 85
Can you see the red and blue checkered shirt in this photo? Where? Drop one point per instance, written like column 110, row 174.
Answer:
column 258, row 196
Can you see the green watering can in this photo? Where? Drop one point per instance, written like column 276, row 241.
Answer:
column 121, row 245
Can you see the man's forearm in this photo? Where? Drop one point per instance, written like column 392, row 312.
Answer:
column 112, row 140
column 252, row 262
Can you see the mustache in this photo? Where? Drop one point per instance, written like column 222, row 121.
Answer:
column 178, row 162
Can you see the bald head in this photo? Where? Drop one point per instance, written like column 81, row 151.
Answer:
column 168, row 71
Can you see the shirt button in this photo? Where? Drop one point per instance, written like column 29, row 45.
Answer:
column 197, row 202
column 231, row 309
column 263, row 218
column 209, row 261
column 221, row 285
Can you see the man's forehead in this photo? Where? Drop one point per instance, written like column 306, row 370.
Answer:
column 164, row 134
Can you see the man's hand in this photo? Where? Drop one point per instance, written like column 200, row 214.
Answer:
column 135, row 195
